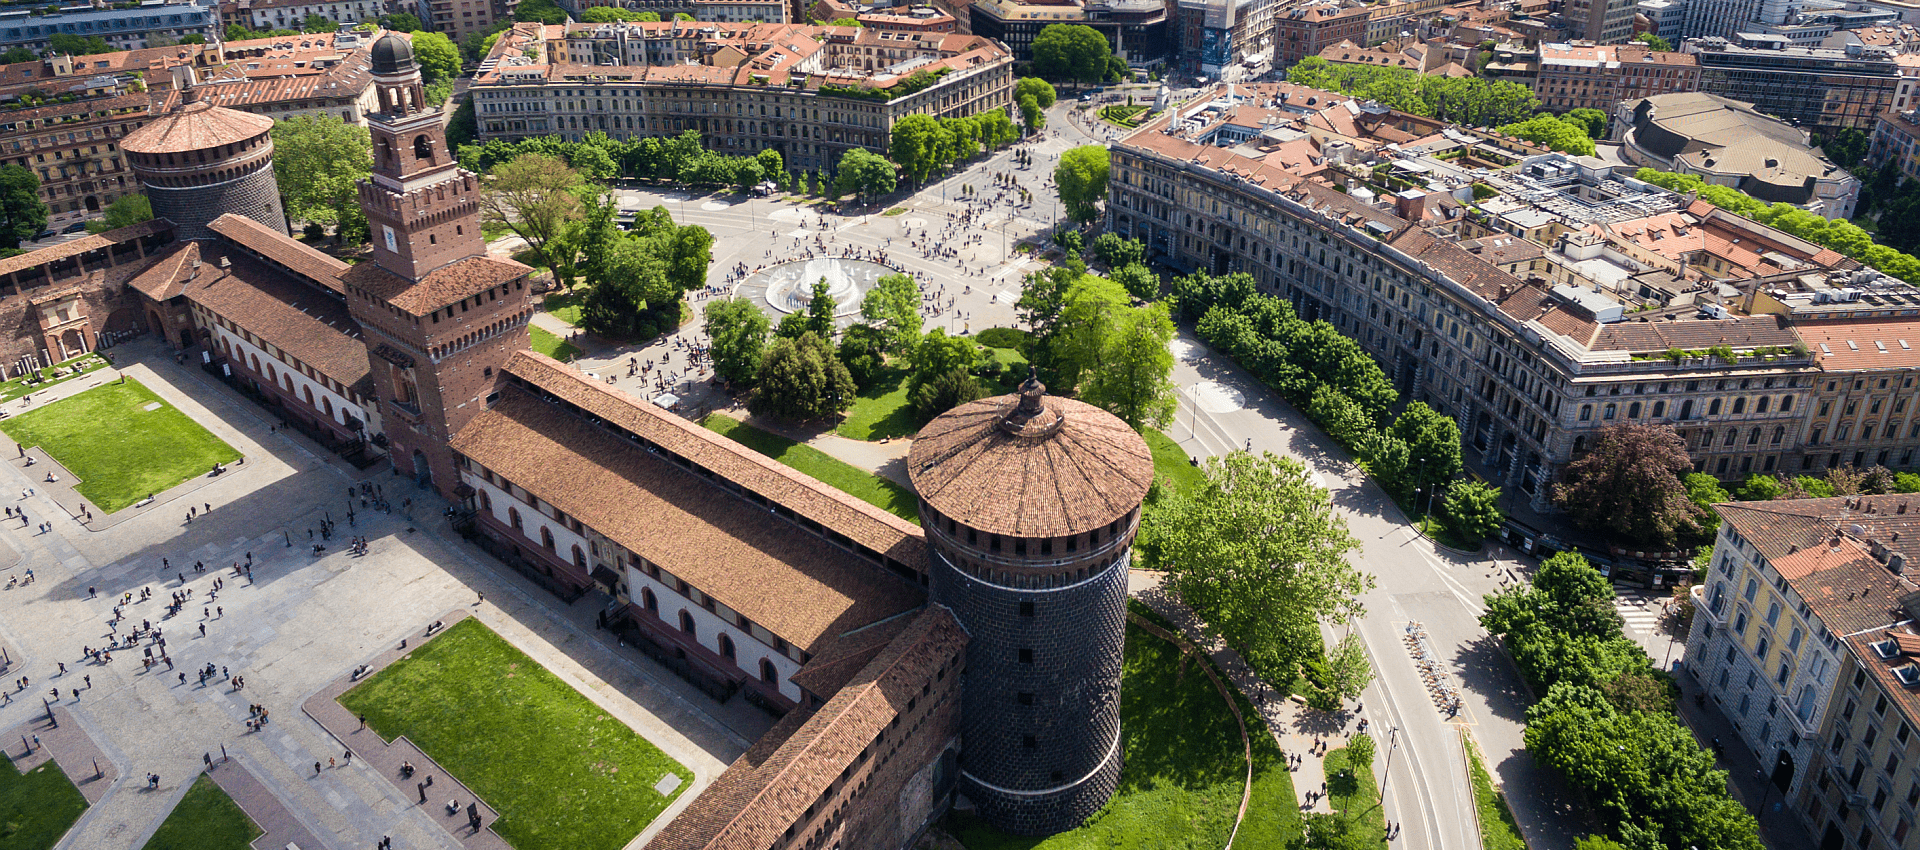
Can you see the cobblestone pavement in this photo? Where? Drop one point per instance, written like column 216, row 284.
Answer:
column 300, row 623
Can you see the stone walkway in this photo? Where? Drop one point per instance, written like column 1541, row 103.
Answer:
column 68, row 744
column 1294, row 726
column 279, row 827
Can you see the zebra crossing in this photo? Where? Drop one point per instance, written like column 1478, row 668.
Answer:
column 1641, row 608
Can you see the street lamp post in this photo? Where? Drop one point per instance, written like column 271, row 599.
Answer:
column 1393, row 743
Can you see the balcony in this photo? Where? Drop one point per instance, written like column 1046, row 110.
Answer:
column 1717, row 618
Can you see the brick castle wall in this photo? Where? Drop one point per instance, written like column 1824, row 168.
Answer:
column 192, row 208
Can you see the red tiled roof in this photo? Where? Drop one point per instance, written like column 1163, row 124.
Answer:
column 167, row 277
column 310, row 323
column 76, row 247
column 1085, row 474
column 442, row 286
column 281, row 249
column 194, row 127
column 1875, row 345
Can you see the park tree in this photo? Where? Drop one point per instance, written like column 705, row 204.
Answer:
column 400, row 22
column 1043, row 295
column 1071, row 52
column 1030, row 115
column 539, row 11
column 1566, row 136
column 1762, row 488
column 1472, row 510
column 1562, row 627
column 920, row 146
column 1260, row 554
column 1433, row 447
column 862, row 347
column 944, row 392
column 1138, row 280
column 1134, row 380
column 866, row 174
column 691, row 249
column 1079, row 348
column 738, row 333
column 820, row 310
column 125, row 210
column 996, row 129
column 1593, row 120
column 893, row 306
column 1347, row 667
column 22, row 214
column 1117, row 251
column 1655, row 42
column 1082, row 180
column 1042, row 91
column 438, row 57
column 801, row 380
column 319, row 24
column 318, row 163
column 74, row 45
column 938, row 354
column 1847, row 147
column 17, row 55
column 1629, row 486
column 537, row 197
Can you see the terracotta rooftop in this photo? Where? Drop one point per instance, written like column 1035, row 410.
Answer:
column 167, row 277
column 1739, row 333
column 442, row 286
column 751, row 804
column 307, row 322
column 1850, row 346
column 282, row 250
column 76, row 247
column 818, row 503
column 193, row 127
column 1067, row 470
column 1822, row 548
column 747, row 558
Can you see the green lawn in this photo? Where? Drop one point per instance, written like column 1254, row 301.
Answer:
column 563, row 774
column 10, row 390
column 205, row 819
column 552, row 346
column 832, row 471
column 121, row 451
column 1358, row 799
column 38, row 808
column 1172, row 466
column 895, row 211
column 884, row 411
column 564, row 306
column 1498, row 829
column 1184, row 770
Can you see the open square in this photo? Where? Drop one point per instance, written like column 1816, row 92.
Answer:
column 38, row 807
column 563, row 773
column 119, row 445
column 205, row 819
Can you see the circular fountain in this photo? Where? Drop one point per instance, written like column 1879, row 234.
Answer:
column 788, row 287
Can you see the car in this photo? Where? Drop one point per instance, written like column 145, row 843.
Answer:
column 75, row 227
column 43, row 234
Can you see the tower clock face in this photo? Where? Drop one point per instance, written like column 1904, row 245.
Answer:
column 392, row 244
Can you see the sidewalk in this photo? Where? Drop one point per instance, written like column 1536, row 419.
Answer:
column 1294, row 726
column 1779, row 828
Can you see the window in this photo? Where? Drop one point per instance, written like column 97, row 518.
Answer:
column 1880, row 706
column 546, row 538
column 1607, row 412
column 649, row 601
column 1586, row 412
column 1773, row 614
column 766, row 671
column 513, row 518
column 1753, row 586
column 1024, row 698
column 686, row 622
column 1026, row 655
column 726, row 647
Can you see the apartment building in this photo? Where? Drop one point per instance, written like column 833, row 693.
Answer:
column 1137, row 29
column 264, row 15
column 1803, row 635
column 74, row 147
column 1820, row 89
column 1577, row 76
column 1306, row 30
column 457, row 19
column 809, row 92
column 1600, row 21
column 122, row 29
column 1529, row 368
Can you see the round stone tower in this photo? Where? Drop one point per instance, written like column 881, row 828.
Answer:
column 1030, row 505
column 197, row 162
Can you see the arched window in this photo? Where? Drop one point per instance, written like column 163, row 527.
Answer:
column 513, row 518
column 1633, row 410
column 767, row 673
column 686, row 622
column 1713, row 408
column 546, row 537
column 422, row 147
column 726, row 647
column 306, row 394
column 328, row 404
column 486, row 501
column 579, row 557
column 1753, row 437
column 1659, row 409
column 649, row 601
column 1779, row 434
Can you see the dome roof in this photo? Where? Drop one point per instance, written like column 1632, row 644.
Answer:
column 193, row 127
column 1030, row 465
column 392, row 54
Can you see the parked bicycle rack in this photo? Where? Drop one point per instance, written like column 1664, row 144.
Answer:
column 1439, row 683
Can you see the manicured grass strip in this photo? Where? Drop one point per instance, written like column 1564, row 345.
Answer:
column 1184, row 771
column 882, row 411
column 205, row 819
column 563, row 773
column 552, row 346
column 564, row 306
column 38, row 808
column 10, row 390
column 1359, row 799
column 834, row 472
column 1172, row 466
column 121, row 451
column 1498, row 829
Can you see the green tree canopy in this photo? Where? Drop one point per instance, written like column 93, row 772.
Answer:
column 1030, row 115
column 1654, row 41
column 1082, row 180
column 865, row 174
column 1260, row 555
column 318, row 163
column 400, row 22
column 893, row 306
column 938, row 354
column 125, row 210
column 540, row 11
column 1474, row 101
column 1472, row 509
column 801, row 380
column 438, row 57
column 921, row 146
column 1593, row 120
column 22, row 214
column 73, row 45
column 1042, row 91
column 1134, row 380
column 17, row 55
column 1566, row 136
column 1628, row 486
column 319, row 24
column 537, row 197
column 1117, row 251
column 1071, row 52
column 738, row 331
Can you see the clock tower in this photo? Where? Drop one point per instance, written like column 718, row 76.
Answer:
column 441, row 317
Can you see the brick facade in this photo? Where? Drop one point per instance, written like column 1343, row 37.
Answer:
column 191, row 208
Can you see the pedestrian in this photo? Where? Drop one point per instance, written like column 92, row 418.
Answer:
column 316, row 768
column 89, row 680
column 330, row 763
column 91, row 592
column 348, row 757
column 207, row 758
column 63, row 668
column 363, row 721
column 203, row 629
column 483, row 598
